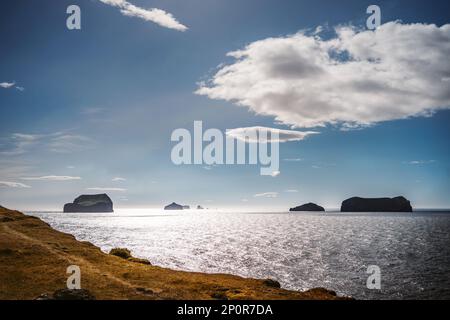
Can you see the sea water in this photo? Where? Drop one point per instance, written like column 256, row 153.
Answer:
column 301, row 250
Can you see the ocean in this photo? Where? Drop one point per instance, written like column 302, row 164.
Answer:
column 301, row 250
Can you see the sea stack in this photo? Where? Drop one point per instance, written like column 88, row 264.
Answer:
column 308, row 207
column 357, row 204
column 90, row 203
column 173, row 206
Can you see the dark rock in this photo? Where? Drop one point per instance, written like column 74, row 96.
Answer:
column 124, row 253
column 139, row 260
column 272, row 283
column 219, row 296
column 321, row 291
column 186, row 207
column 76, row 294
column 199, row 207
column 144, row 290
column 90, row 203
column 121, row 253
column 67, row 294
column 173, row 206
column 6, row 219
column 308, row 207
column 356, row 204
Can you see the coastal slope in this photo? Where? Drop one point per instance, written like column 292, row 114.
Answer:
column 34, row 258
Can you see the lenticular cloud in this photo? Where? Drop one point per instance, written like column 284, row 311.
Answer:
column 355, row 79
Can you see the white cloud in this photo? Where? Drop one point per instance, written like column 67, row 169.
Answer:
column 266, row 195
column 291, row 191
column 293, row 159
column 356, row 79
column 157, row 16
column 243, row 134
column 106, row 189
column 7, row 85
column 13, row 184
column 51, row 178
column 275, row 173
column 117, row 179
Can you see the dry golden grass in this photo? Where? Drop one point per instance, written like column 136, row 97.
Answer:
column 34, row 258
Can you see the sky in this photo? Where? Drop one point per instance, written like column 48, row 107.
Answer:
column 93, row 110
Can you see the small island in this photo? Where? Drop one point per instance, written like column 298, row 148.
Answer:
column 90, row 203
column 357, row 204
column 308, row 207
column 173, row 206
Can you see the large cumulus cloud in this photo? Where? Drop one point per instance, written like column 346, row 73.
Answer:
column 355, row 79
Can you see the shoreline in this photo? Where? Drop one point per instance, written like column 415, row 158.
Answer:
column 34, row 258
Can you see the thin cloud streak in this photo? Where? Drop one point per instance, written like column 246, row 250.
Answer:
column 51, row 178
column 157, row 16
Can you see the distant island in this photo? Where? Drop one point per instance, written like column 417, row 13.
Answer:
column 308, row 207
column 357, row 204
column 90, row 203
column 174, row 206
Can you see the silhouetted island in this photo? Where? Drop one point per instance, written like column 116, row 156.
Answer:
column 173, row 206
column 90, row 203
column 199, row 207
column 357, row 204
column 308, row 207
column 186, row 207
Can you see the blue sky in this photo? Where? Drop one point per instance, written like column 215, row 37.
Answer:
column 101, row 102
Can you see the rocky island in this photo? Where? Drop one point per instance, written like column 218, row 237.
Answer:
column 308, row 207
column 357, row 204
column 90, row 203
column 174, row 206
column 34, row 258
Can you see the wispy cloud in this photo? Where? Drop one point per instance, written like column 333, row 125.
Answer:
column 10, row 184
column 104, row 189
column 419, row 162
column 355, row 79
column 118, row 179
column 293, row 159
column 58, row 142
column 266, row 134
column 67, row 143
column 291, row 191
column 157, row 16
column 266, row 195
column 8, row 85
column 93, row 111
column 51, row 178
